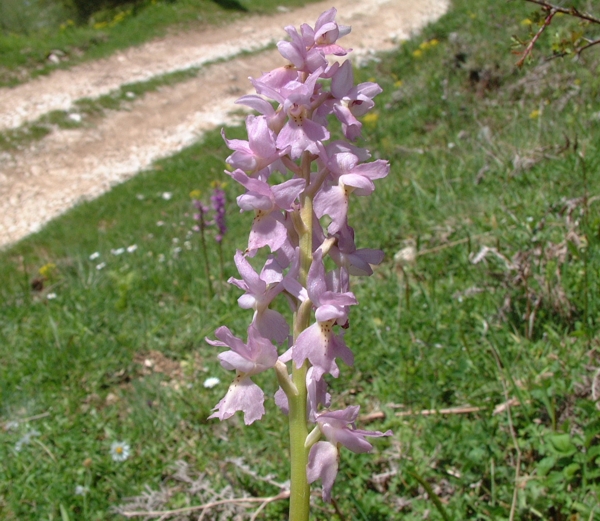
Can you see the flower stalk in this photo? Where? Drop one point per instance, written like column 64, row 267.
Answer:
column 299, row 223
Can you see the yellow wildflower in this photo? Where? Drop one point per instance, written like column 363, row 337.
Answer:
column 195, row 194
column 534, row 114
column 371, row 119
column 417, row 53
column 47, row 270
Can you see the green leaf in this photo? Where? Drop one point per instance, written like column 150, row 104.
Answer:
column 562, row 443
column 545, row 465
column 570, row 470
column 64, row 515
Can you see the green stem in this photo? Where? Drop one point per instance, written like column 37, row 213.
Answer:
column 299, row 487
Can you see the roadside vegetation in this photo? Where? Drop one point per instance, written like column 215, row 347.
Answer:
column 477, row 339
column 38, row 36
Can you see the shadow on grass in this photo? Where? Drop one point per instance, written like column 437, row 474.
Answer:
column 231, row 5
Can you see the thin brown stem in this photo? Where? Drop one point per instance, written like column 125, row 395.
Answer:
column 154, row 513
column 565, row 10
column 531, row 44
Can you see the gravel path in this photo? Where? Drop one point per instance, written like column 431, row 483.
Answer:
column 68, row 166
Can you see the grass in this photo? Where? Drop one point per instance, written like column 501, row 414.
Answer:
column 483, row 156
column 41, row 38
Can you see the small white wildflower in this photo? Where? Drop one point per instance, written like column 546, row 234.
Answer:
column 26, row 440
column 101, row 266
column 140, row 197
column 175, row 240
column 130, row 94
column 167, row 195
column 117, row 251
column 132, row 248
column 161, row 257
column 176, row 251
column 80, row 490
column 187, row 245
column 51, row 296
column 119, row 451
column 95, row 255
column 11, row 425
column 211, row 382
column 75, row 117
column 160, row 223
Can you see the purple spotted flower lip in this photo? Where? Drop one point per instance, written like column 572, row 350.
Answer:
column 297, row 187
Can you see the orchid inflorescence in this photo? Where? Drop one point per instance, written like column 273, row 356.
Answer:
column 298, row 183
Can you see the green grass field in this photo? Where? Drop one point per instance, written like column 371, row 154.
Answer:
column 492, row 303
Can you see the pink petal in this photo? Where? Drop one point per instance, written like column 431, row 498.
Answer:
column 243, row 395
column 272, row 325
column 323, row 465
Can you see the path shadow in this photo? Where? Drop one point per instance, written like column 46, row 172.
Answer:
column 231, row 5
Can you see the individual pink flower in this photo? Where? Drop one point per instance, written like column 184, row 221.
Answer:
column 348, row 176
column 351, row 101
column 254, row 357
column 339, row 429
column 268, row 227
column 259, row 151
column 296, row 51
column 318, row 343
column 352, row 260
column 326, row 33
column 260, row 292
column 300, row 132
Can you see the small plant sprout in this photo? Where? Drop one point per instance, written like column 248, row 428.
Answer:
column 298, row 185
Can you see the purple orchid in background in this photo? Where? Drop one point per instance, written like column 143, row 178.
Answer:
column 299, row 187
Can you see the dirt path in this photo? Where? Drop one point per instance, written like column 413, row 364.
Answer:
column 43, row 181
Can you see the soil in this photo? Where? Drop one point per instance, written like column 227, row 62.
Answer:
column 49, row 176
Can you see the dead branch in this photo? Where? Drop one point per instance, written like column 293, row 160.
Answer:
column 452, row 410
column 466, row 409
column 551, row 11
column 565, row 10
column 537, row 35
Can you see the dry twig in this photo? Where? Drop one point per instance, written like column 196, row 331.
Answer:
column 551, row 11
column 465, row 409
column 206, row 506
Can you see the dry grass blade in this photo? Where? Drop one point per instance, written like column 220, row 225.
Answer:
column 164, row 514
